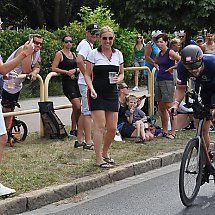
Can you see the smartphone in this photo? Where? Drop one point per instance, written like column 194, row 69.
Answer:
column 30, row 36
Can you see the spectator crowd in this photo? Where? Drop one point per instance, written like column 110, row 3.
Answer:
column 92, row 80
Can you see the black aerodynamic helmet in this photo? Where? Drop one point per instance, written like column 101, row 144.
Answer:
column 191, row 57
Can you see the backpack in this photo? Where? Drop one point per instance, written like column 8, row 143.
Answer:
column 53, row 127
column 153, row 128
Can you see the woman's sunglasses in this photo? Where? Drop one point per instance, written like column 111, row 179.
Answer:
column 106, row 38
column 139, row 37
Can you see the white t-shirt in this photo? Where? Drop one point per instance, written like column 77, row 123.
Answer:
column 84, row 48
column 99, row 58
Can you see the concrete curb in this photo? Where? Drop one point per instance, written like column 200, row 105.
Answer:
column 36, row 199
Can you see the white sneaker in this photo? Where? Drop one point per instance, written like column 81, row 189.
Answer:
column 136, row 88
column 4, row 191
column 118, row 138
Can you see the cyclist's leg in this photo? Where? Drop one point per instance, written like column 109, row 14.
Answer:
column 206, row 134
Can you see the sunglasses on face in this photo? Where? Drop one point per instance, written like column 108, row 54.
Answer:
column 67, row 41
column 181, row 36
column 107, row 38
column 95, row 32
column 193, row 66
column 139, row 37
column 37, row 43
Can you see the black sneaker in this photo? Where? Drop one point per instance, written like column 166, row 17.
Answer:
column 205, row 175
column 73, row 133
column 79, row 144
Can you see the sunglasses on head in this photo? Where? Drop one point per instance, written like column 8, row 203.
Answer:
column 67, row 41
column 107, row 38
column 37, row 43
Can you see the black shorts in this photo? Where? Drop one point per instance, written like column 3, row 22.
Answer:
column 9, row 97
column 110, row 104
column 71, row 89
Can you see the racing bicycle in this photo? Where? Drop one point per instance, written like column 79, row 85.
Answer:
column 197, row 161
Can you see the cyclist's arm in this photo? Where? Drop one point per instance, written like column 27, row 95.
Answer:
column 179, row 94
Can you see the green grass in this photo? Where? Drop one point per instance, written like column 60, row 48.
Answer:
column 37, row 163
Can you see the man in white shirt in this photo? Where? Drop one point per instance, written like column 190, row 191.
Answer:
column 84, row 124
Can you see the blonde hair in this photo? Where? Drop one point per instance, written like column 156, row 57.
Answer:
column 174, row 41
column 106, row 29
column 131, row 97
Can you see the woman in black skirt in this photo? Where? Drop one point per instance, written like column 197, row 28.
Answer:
column 103, row 94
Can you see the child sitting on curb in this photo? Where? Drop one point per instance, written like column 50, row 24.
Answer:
column 137, row 118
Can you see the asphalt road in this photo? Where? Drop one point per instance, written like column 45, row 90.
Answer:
column 151, row 193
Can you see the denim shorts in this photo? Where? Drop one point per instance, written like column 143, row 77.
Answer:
column 164, row 91
column 85, row 107
column 137, row 62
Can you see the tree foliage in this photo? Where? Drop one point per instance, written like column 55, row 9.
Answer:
column 52, row 14
column 169, row 15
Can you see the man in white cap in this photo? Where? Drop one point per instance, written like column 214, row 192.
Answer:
column 84, row 123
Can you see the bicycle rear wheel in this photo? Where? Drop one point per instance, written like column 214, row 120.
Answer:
column 18, row 132
column 190, row 172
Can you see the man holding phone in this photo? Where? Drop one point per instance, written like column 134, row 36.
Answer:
column 30, row 65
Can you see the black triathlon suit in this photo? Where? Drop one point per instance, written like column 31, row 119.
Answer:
column 70, row 86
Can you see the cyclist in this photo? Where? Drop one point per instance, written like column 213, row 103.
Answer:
column 202, row 70
column 4, row 69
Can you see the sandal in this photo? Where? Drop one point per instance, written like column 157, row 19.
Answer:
column 162, row 134
column 171, row 136
column 138, row 140
column 108, row 160
column 88, row 146
column 104, row 165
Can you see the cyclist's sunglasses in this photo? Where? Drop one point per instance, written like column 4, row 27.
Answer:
column 194, row 65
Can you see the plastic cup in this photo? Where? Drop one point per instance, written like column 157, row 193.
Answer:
column 11, row 83
column 111, row 77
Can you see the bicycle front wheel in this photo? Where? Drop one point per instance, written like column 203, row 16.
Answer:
column 18, row 132
column 190, row 172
